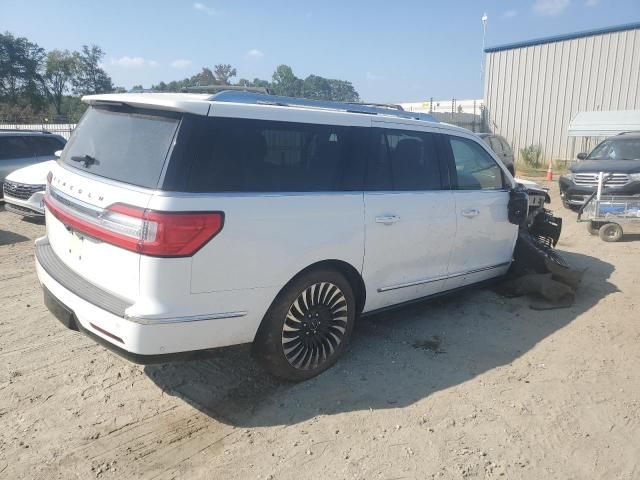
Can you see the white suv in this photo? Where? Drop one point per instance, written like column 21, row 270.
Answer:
column 183, row 222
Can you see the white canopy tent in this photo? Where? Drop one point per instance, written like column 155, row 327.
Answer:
column 601, row 124
column 604, row 123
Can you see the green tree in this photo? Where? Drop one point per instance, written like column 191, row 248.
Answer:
column 90, row 77
column 205, row 77
column 317, row 88
column 223, row 72
column 343, row 91
column 60, row 70
column 21, row 72
column 284, row 82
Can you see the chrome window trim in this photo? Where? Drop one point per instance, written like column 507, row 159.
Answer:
column 74, row 204
column 444, row 277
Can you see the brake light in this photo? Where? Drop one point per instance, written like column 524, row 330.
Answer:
column 148, row 232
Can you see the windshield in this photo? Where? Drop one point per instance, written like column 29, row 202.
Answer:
column 617, row 149
column 128, row 146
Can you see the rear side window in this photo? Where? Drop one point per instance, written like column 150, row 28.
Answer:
column 245, row 155
column 45, row 146
column 475, row 168
column 403, row 160
column 130, row 146
column 14, row 147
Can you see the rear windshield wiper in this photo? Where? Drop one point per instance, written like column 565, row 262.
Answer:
column 86, row 159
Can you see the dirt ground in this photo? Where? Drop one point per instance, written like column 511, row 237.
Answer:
column 467, row 386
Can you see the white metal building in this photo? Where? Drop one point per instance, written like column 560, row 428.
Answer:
column 534, row 89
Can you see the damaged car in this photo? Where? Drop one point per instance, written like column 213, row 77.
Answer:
column 178, row 223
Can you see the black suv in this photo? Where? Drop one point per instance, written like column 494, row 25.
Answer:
column 618, row 156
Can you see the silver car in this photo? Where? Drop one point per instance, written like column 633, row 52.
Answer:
column 20, row 148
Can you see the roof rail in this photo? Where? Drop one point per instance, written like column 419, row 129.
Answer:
column 364, row 108
column 221, row 88
column 392, row 106
column 26, row 130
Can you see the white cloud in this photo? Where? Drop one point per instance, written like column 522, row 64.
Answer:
column 181, row 63
column 255, row 53
column 133, row 62
column 201, row 7
column 510, row 14
column 550, row 8
column 592, row 3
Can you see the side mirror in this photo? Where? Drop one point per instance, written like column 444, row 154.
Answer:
column 518, row 207
column 582, row 156
column 57, row 153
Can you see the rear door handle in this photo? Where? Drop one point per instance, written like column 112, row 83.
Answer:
column 388, row 219
column 470, row 213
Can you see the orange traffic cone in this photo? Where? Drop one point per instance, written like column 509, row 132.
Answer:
column 549, row 173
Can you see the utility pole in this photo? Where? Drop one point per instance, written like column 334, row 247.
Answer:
column 484, row 34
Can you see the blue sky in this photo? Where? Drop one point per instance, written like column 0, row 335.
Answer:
column 392, row 51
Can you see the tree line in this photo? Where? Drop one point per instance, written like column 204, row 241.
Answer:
column 34, row 82
column 283, row 82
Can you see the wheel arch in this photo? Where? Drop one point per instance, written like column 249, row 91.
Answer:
column 350, row 273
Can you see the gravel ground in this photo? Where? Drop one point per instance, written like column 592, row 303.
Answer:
column 467, row 386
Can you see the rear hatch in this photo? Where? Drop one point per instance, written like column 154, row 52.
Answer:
column 98, row 191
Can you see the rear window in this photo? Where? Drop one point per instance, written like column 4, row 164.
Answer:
column 130, row 146
column 45, row 146
column 246, row 155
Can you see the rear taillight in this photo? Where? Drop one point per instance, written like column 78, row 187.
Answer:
column 148, row 232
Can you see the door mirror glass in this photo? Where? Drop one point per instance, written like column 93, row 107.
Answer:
column 582, row 156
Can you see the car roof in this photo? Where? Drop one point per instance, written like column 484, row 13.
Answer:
column 201, row 104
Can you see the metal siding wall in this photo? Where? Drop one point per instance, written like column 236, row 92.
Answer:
column 533, row 92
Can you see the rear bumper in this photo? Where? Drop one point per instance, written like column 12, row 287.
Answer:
column 81, row 306
column 67, row 317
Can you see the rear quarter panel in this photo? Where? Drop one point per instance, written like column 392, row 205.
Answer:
column 268, row 238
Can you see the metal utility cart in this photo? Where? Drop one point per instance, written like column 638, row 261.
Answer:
column 606, row 214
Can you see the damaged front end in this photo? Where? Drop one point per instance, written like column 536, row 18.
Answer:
column 538, row 269
column 538, row 235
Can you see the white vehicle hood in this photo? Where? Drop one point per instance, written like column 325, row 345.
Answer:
column 530, row 184
column 33, row 174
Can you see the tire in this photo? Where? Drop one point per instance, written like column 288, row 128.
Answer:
column 593, row 228
column 610, row 232
column 308, row 326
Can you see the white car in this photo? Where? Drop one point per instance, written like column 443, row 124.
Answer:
column 183, row 222
column 24, row 189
